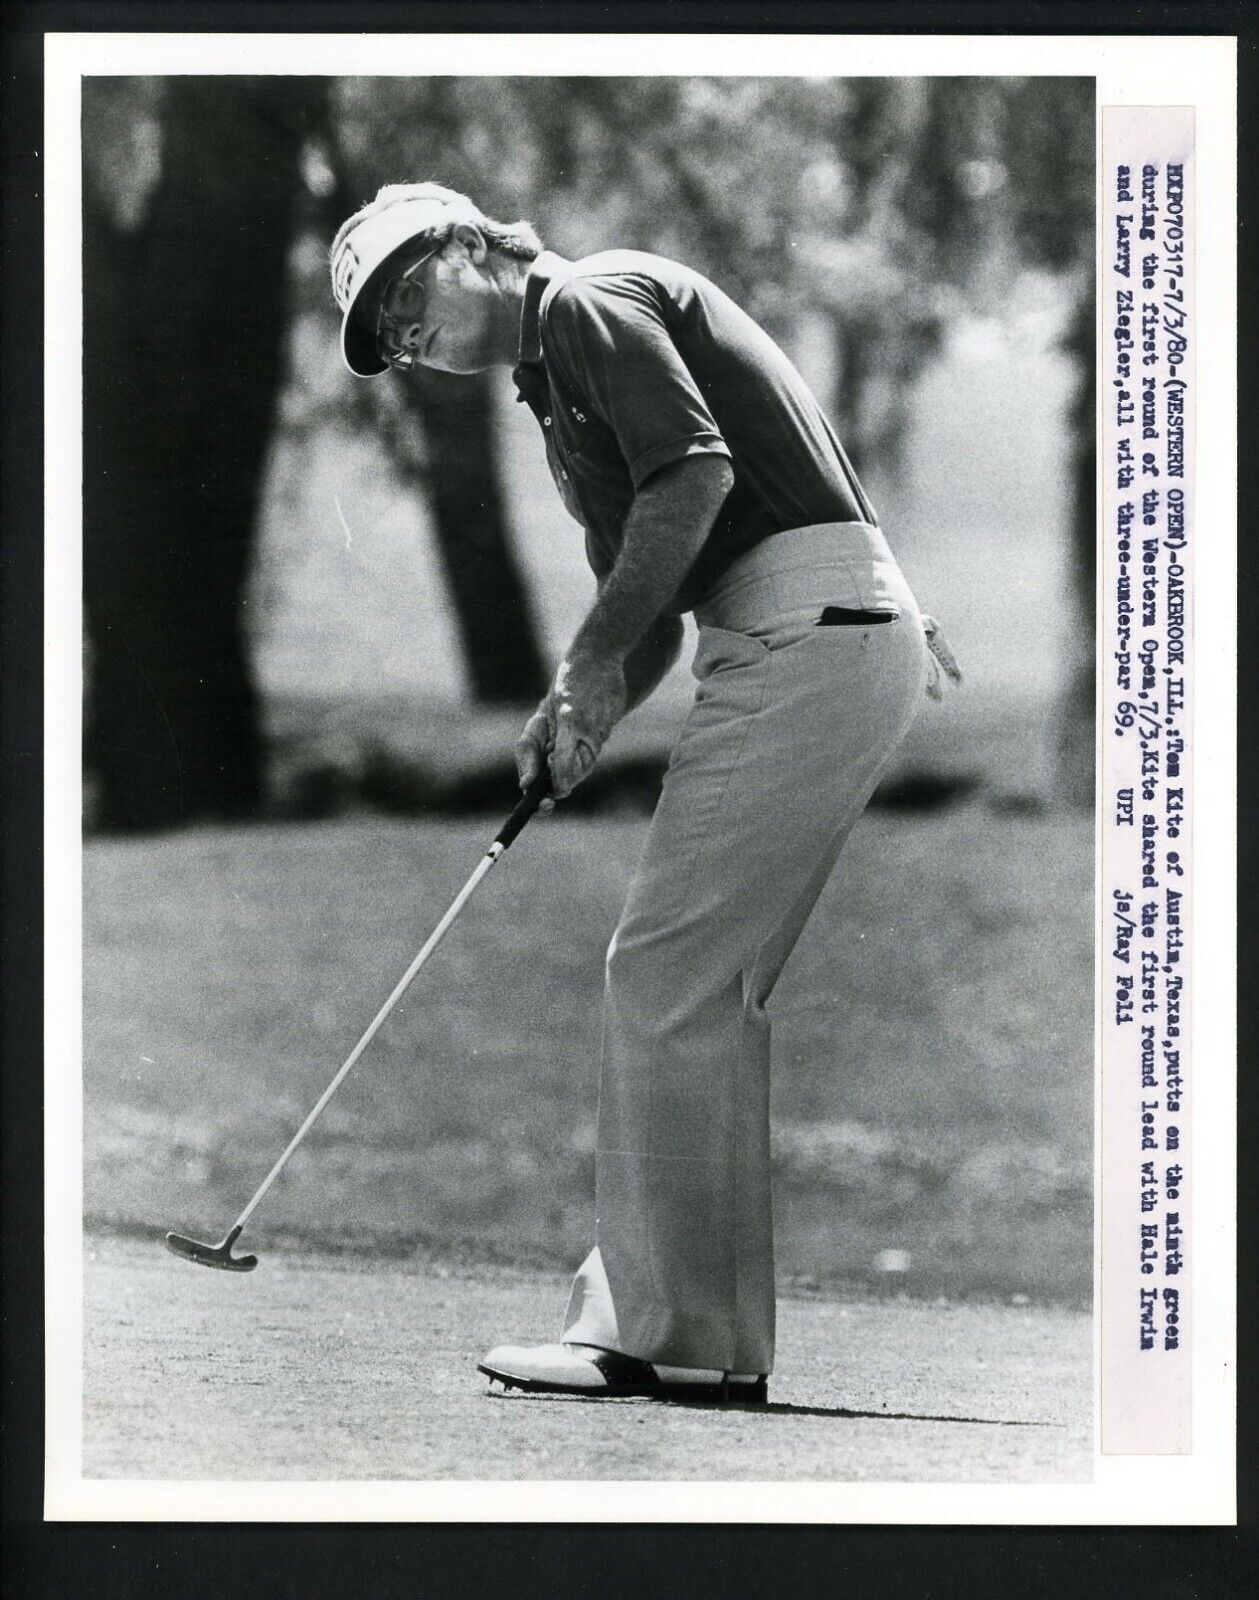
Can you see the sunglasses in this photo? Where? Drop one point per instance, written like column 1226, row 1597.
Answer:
column 401, row 304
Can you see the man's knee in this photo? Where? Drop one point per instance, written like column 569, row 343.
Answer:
column 665, row 981
column 644, row 954
column 628, row 964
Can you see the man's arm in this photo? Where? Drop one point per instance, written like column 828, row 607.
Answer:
column 665, row 528
column 645, row 666
column 651, row 658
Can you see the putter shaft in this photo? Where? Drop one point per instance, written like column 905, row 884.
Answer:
column 403, row 984
column 527, row 805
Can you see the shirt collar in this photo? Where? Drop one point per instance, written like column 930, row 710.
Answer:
column 548, row 270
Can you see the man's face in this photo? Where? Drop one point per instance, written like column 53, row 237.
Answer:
column 436, row 307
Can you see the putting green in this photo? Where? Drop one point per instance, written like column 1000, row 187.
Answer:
column 311, row 1368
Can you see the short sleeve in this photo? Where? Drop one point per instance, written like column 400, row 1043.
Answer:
column 608, row 338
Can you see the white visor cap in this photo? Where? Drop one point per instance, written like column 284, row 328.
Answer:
column 366, row 247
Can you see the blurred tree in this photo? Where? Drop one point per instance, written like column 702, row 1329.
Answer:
column 873, row 210
column 419, row 126
column 189, row 188
column 884, row 206
column 1049, row 146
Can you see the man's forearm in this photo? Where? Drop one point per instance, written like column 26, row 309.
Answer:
column 667, row 524
column 651, row 658
column 664, row 531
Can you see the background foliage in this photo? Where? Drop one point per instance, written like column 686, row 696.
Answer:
column 246, row 501
column 859, row 220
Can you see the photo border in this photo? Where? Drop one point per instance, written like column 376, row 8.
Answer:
column 1208, row 681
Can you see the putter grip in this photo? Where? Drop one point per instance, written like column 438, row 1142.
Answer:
column 532, row 798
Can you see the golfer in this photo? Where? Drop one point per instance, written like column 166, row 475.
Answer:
column 708, row 480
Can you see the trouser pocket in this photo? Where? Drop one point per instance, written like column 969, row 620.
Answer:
column 850, row 617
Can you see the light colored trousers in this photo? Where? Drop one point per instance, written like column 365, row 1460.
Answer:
column 791, row 727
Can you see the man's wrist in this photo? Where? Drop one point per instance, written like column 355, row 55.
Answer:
column 593, row 645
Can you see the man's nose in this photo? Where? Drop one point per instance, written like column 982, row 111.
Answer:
column 411, row 336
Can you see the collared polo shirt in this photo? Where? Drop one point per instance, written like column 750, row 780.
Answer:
column 629, row 362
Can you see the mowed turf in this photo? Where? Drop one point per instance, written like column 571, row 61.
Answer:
column 311, row 1368
column 932, row 1093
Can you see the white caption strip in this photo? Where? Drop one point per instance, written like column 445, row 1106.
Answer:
column 1145, row 374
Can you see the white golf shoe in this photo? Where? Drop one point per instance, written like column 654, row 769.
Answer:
column 595, row 1374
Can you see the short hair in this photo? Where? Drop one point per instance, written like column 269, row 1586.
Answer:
column 517, row 239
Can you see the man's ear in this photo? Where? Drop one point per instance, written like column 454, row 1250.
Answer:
column 472, row 240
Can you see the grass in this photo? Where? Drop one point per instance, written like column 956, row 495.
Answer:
column 331, row 755
column 312, row 1368
column 933, row 1085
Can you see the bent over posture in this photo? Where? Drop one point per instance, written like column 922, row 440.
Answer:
column 707, row 479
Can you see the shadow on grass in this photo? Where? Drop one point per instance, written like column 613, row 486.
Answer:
column 782, row 1408
column 386, row 782
column 785, row 1408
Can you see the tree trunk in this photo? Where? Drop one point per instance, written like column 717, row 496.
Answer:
column 460, row 477
column 495, row 619
column 183, row 326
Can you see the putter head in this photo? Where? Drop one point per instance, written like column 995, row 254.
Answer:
column 211, row 1255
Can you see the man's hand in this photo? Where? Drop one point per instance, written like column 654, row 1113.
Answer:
column 591, row 697
column 569, row 729
column 626, row 643
column 534, row 744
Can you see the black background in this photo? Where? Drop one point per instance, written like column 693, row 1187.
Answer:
column 144, row 1560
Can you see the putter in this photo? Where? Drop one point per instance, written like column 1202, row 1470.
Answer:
column 220, row 1255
